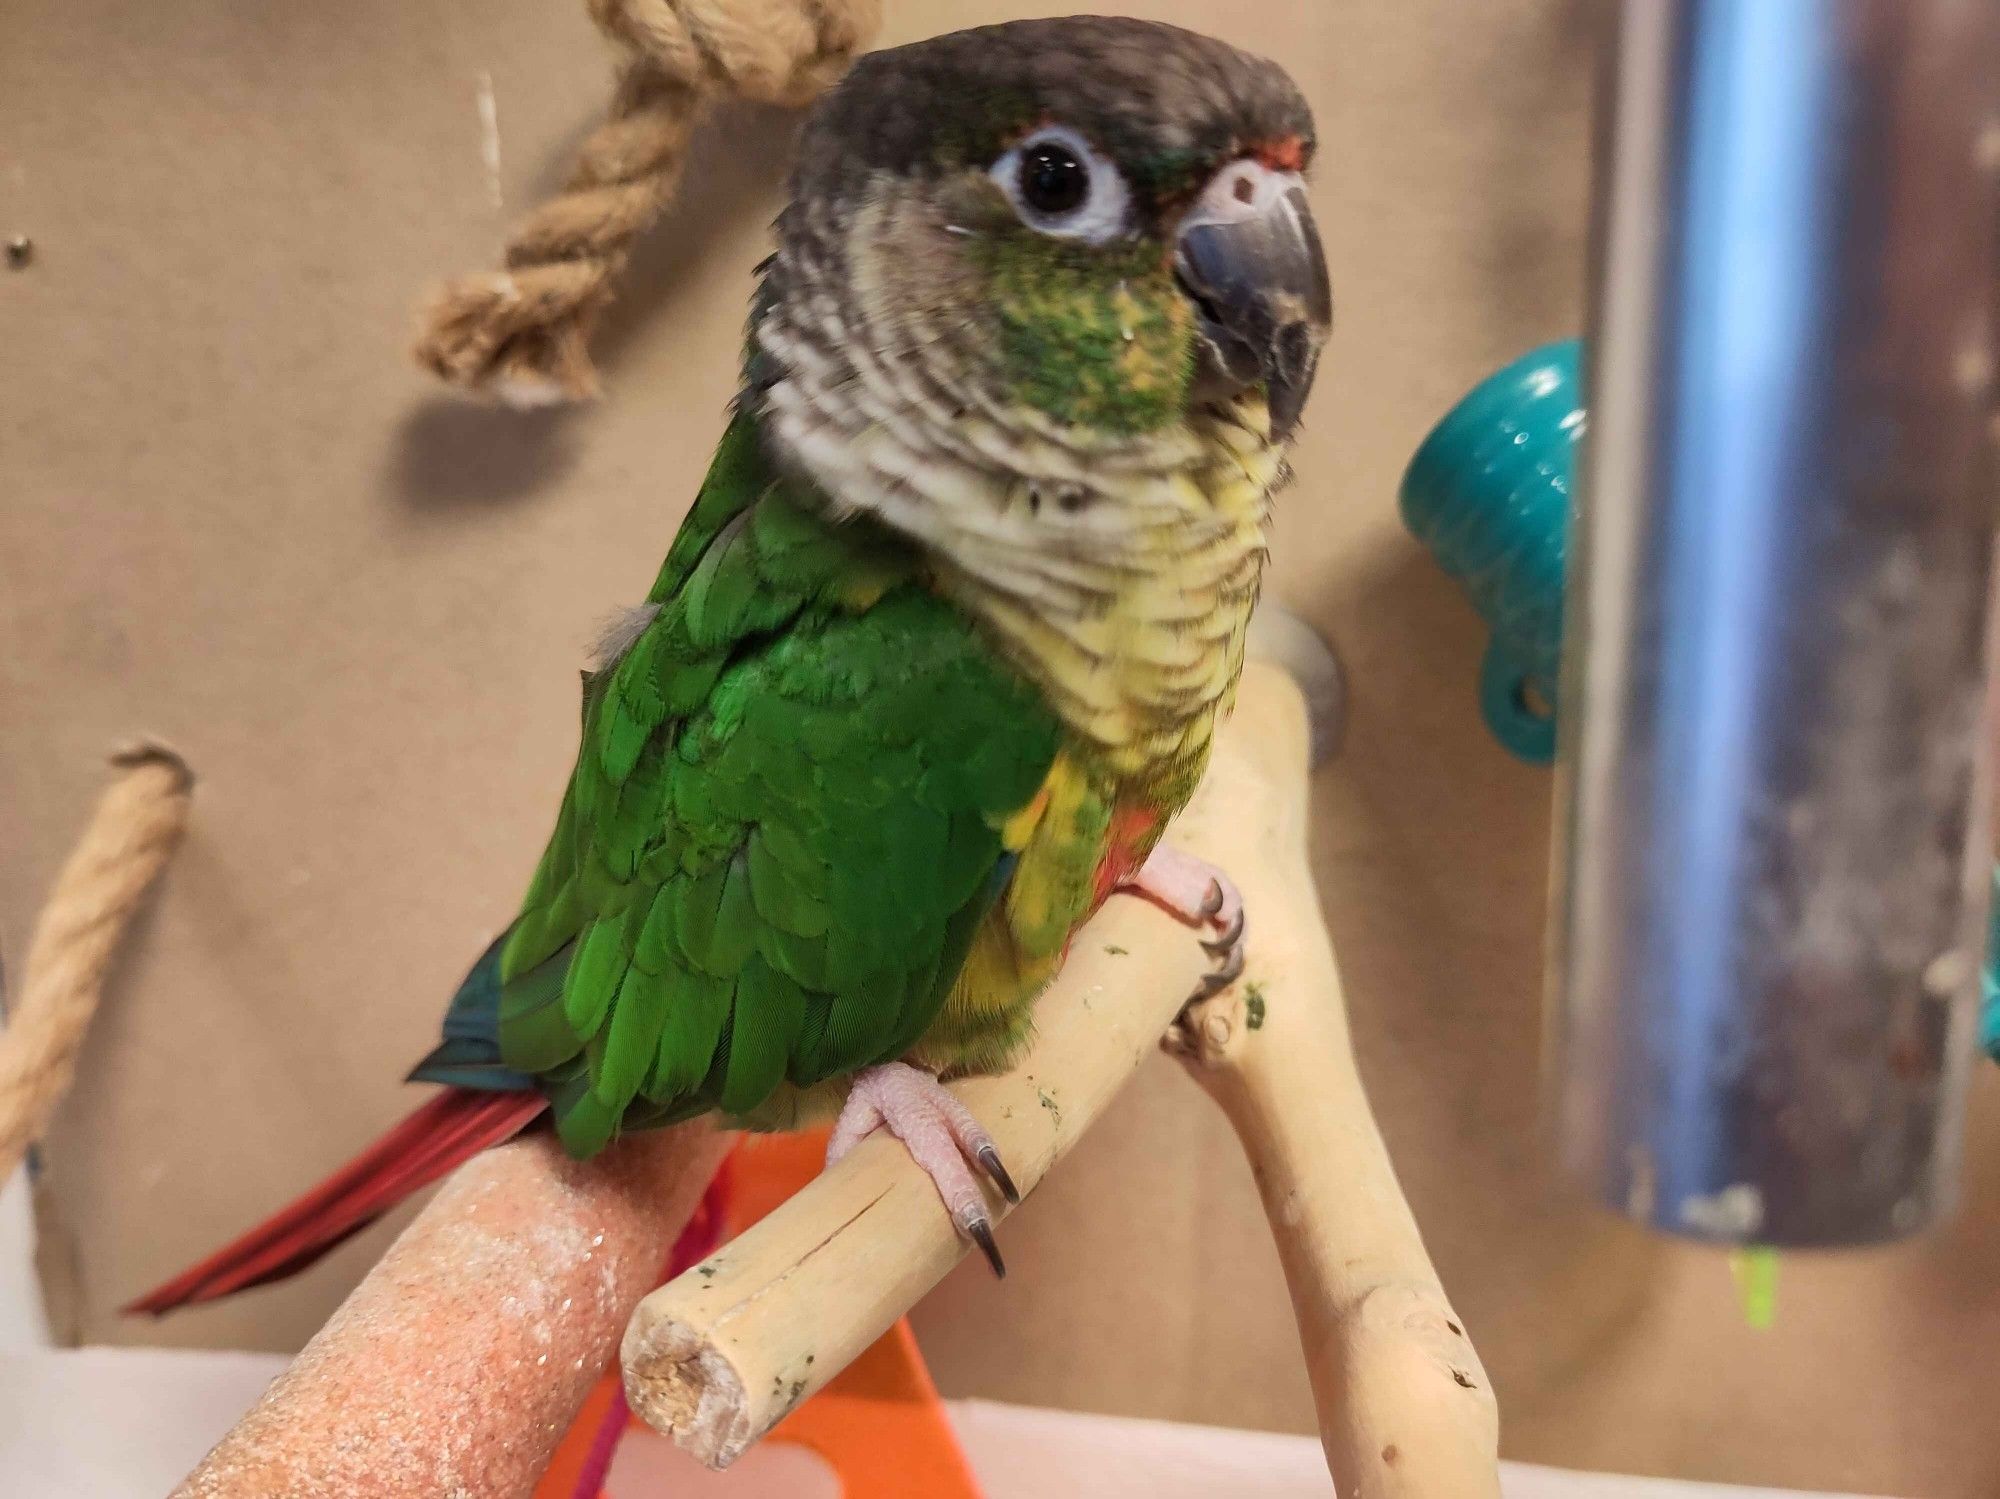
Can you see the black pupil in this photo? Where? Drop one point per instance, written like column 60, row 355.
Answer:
column 1052, row 179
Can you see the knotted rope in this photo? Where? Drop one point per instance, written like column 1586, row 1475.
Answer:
column 138, row 823
column 523, row 332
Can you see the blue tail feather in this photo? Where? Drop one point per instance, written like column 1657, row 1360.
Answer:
column 469, row 1054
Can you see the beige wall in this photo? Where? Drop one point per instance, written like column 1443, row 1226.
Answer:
column 234, row 517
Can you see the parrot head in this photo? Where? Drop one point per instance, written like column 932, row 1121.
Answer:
column 1041, row 261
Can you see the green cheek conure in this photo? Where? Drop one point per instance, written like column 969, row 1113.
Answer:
column 941, row 645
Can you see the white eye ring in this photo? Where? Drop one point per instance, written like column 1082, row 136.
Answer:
column 1105, row 210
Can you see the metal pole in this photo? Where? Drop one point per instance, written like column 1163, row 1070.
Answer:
column 1773, row 853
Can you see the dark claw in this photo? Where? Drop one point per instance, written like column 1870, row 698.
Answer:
column 1211, row 903
column 1232, row 936
column 990, row 1159
column 1232, row 967
column 1221, row 978
column 982, row 1235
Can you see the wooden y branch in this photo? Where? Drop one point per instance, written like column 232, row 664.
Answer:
column 717, row 1357
column 458, row 1364
column 720, row 1355
column 1405, row 1409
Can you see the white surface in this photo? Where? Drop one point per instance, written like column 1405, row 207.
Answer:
column 102, row 1423
column 1032, row 1454
column 21, row 1322
column 105, row 1423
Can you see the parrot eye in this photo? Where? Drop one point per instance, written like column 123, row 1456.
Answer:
column 1060, row 186
column 1052, row 179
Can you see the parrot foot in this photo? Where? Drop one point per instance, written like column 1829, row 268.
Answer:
column 1198, row 893
column 941, row 1136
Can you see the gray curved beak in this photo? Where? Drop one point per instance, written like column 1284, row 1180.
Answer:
column 1249, row 257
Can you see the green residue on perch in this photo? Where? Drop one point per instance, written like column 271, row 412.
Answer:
column 1756, row 1270
column 1253, row 1007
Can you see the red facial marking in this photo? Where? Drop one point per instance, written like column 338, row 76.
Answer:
column 1287, row 154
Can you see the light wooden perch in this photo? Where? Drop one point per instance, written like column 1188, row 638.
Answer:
column 720, row 1355
column 1405, row 1409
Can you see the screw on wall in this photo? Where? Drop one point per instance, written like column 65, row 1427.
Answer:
column 20, row 252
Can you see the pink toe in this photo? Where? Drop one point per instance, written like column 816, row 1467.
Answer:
column 1188, row 887
column 936, row 1129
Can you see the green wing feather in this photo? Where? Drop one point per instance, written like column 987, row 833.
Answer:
column 783, row 824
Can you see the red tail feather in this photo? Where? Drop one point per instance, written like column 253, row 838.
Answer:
column 448, row 1130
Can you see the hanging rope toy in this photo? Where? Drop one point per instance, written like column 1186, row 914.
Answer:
column 138, row 825
column 522, row 333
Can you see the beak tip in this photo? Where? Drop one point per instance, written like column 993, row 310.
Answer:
column 1265, row 303
column 1291, row 366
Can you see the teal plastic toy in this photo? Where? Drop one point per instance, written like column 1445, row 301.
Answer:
column 1489, row 494
column 1989, row 1019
